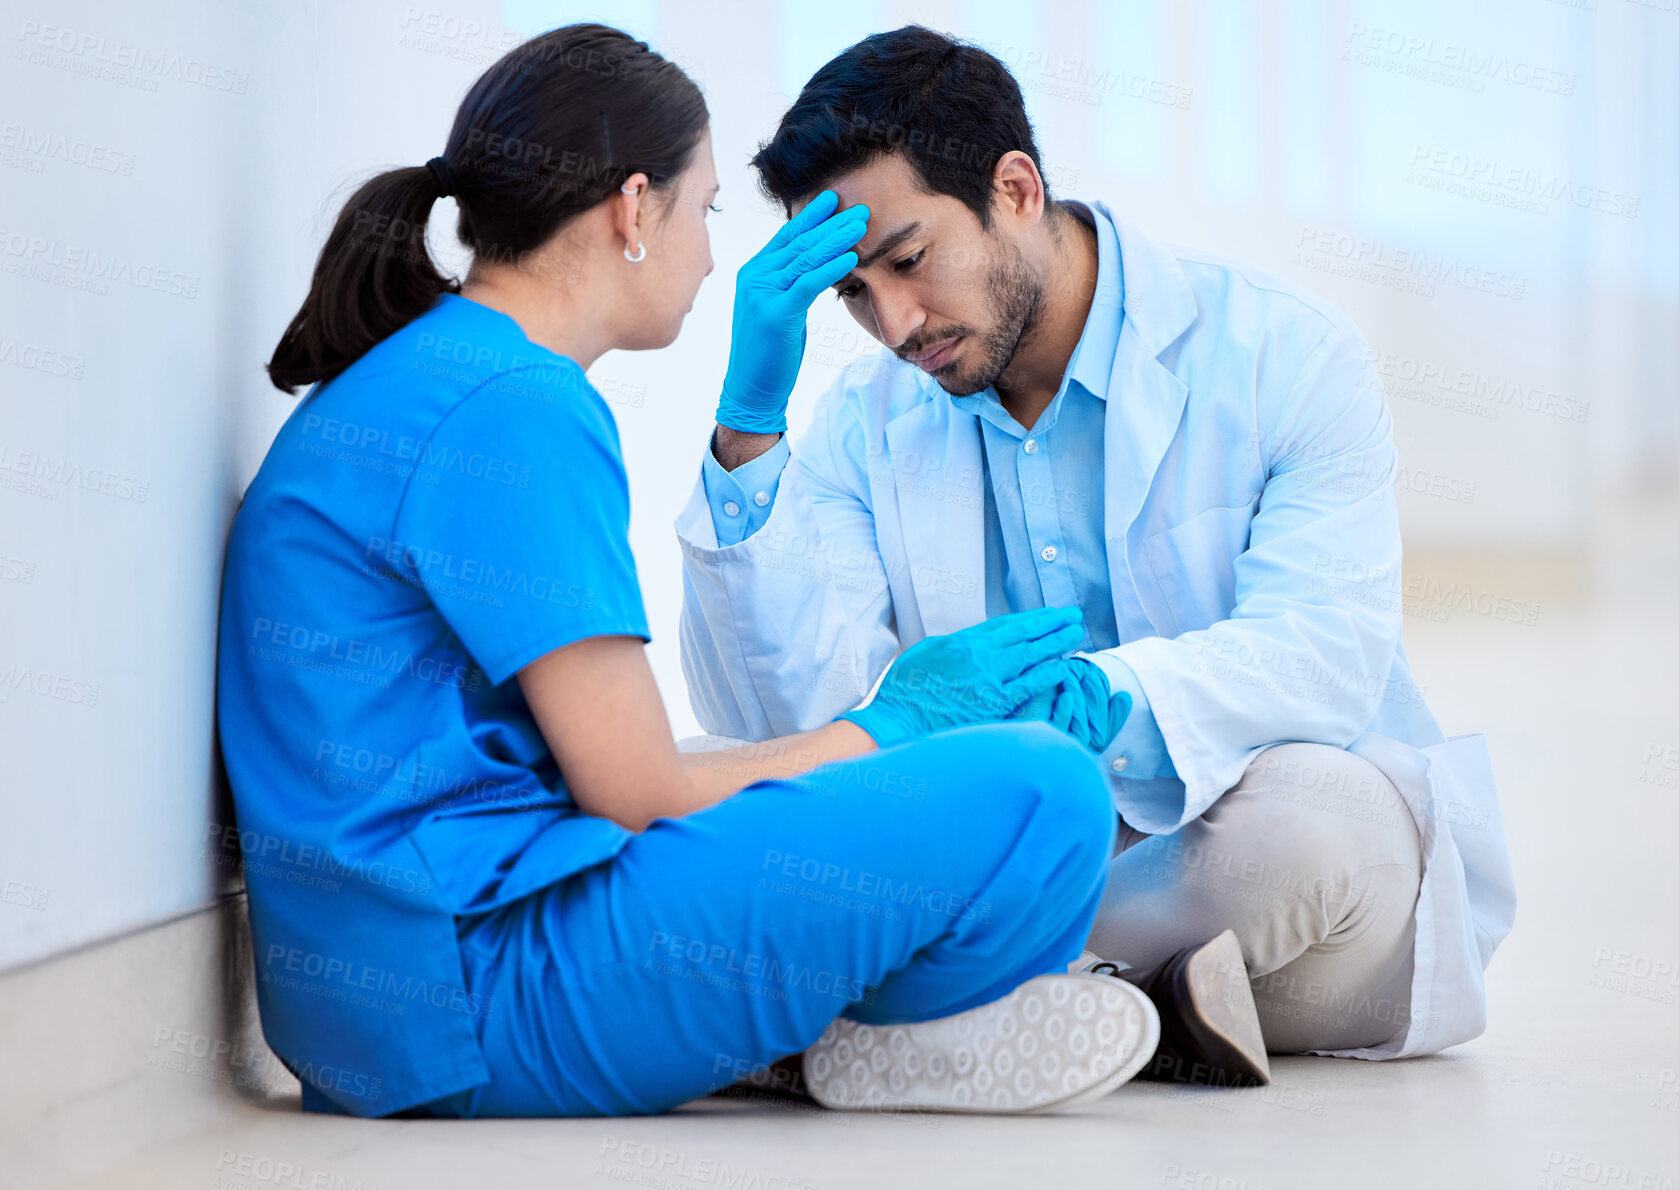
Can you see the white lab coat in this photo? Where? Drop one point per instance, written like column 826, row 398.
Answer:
column 1253, row 554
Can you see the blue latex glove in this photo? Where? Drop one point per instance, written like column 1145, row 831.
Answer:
column 773, row 292
column 981, row 674
column 1081, row 705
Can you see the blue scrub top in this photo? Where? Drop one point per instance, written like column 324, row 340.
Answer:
column 447, row 510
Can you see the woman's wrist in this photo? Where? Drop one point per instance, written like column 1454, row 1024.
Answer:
column 849, row 739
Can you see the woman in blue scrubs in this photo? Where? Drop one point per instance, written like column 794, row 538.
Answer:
column 482, row 879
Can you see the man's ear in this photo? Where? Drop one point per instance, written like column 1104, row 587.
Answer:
column 1018, row 187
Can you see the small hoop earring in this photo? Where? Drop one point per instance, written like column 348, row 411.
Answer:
column 640, row 253
column 627, row 188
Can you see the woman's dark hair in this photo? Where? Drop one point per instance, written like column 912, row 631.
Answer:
column 950, row 108
column 546, row 133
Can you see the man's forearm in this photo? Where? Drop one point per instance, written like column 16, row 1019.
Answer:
column 735, row 448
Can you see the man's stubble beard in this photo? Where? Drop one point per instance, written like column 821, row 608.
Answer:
column 1019, row 310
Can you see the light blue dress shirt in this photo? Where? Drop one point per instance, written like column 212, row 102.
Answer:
column 1044, row 542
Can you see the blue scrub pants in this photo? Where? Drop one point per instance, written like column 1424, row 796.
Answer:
column 906, row 884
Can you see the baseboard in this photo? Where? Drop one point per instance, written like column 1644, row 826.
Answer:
column 118, row 1047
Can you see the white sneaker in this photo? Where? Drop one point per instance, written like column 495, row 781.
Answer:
column 1089, row 960
column 1053, row 1042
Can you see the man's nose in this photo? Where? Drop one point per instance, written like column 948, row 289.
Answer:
column 896, row 317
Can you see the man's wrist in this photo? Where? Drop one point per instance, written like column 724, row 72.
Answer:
column 736, row 448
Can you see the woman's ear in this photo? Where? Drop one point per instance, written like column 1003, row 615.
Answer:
column 628, row 211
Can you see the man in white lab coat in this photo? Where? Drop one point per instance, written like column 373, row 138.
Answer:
column 1196, row 454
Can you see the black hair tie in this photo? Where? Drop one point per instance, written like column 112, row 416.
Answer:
column 444, row 175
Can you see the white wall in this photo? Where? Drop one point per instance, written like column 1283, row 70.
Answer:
column 1238, row 127
column 147, row 297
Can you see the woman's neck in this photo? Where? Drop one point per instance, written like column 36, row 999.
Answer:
column 568, row 319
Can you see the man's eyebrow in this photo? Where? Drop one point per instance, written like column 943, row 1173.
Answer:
column 888, row 243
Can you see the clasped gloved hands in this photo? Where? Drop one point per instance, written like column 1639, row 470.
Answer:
column 982, row 674
column 773, row 292
column 1010, row 667
column 1081, row 705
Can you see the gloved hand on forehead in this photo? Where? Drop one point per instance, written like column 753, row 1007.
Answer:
column 773, row 292
column 982, row 674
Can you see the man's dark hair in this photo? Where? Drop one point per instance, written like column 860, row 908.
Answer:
column 951, row 109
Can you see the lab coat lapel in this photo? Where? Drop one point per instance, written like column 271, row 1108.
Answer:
column 937, row 474
column 1145, row 404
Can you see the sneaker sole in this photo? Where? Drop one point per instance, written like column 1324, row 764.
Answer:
column 1053, row 1042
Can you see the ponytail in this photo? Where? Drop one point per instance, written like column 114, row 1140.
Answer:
column 545, row 133
column 373, row 278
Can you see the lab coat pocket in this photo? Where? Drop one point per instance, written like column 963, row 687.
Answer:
column 1193, row 566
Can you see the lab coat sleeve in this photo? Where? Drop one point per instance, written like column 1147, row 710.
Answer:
column 1305, row 652
column 1139, row 744
column 789, row 627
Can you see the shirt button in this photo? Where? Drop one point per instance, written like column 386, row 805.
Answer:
column 1048, row 553
column 1031, row 446
column 761, row 499
column 1120, row 764
column 730, row 507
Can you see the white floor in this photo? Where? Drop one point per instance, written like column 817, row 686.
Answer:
column 1575, row 1084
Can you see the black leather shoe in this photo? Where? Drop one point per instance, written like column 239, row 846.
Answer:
column 1209, row 1027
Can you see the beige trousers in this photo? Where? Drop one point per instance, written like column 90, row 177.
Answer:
column 1314, row 861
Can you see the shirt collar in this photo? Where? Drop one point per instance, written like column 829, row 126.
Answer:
column 1092, row 361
